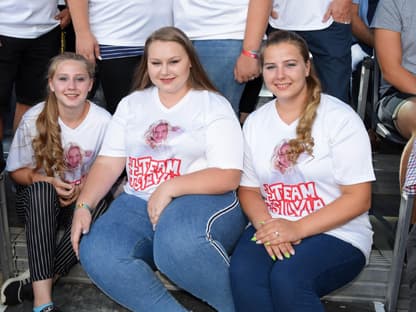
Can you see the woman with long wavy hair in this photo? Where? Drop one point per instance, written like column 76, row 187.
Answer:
column 310, row 232
column 37, row 163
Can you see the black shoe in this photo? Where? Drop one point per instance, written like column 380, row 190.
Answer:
column 17, row 289
column 50, row 308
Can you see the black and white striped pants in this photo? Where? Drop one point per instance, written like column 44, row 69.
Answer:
column 37, row 205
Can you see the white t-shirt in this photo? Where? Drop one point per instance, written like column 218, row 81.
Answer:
column 211, row 20
column 81, row 145
column 27, row 19
column 300, row 14
column 199, row 132
column 128, row 22
column 341, row 156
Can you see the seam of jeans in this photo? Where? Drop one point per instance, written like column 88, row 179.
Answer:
column 210, row 223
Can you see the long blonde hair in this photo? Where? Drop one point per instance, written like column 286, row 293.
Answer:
column 198, row 79
column 304, row 141
column 47, row 145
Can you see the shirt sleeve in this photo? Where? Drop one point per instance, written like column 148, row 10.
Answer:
column 114, row 143
column 350, row 150
column 21, row 154
column 224, row 137
column 387, row 16
column 249, row 177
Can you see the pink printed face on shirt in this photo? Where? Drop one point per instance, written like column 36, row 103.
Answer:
column 71, row 84
column 73, row 157
column 169, row 69
column 285, row 72
column 160, row 132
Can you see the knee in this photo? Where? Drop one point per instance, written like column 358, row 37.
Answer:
column 93, row 254
column 42, row 198
column 172, row 247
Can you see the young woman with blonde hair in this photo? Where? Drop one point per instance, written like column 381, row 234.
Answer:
column 45, row 197
column 179, row 213
column 309, row 234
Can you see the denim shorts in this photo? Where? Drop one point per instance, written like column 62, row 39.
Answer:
column 388, row 108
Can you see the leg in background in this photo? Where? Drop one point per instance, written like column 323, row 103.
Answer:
column 221, row 69
column 116, row 76
column 331, row 50
column 249, row 98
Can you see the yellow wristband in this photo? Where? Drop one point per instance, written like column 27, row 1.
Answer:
column 85, row 206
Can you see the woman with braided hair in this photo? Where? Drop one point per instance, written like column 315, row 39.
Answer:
column 309, row 234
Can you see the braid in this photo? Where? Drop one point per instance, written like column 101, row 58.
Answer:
column 47, row 145
column 304, row 142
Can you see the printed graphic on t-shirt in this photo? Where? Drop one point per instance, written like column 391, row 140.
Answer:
column 159, row 133
column 145, row 172
column 156, row 161
column 283, row 168
column 294, row 200
column 78, row 163
column 288, row 192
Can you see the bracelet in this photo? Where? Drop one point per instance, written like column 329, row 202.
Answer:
column 85, row 206
column 250, row 53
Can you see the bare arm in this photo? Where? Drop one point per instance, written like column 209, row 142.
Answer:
column 27, row 176
column 256, row 24
column 104, row 172
column 86, row 44
column 67, row 192
column 354, row 201
column 207, row 181
column 253, row 205
column 359, row 29
column 389, row 54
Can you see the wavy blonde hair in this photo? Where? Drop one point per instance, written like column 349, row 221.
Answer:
column 304, row 141
column 47, row 145
column 198, row 79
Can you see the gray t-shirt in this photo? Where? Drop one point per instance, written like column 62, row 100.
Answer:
column 398, row 16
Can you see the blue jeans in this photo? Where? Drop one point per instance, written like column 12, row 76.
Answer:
column 321, row 264
column 218, row 57
column 191, row 246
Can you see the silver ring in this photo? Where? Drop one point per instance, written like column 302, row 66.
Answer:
column 253, row 77
column 277, row 233
column 346, row 23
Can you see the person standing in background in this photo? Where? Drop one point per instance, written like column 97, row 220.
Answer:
column 29, row 38
column 325, row 25
column 113, row 34
column 227, row 36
